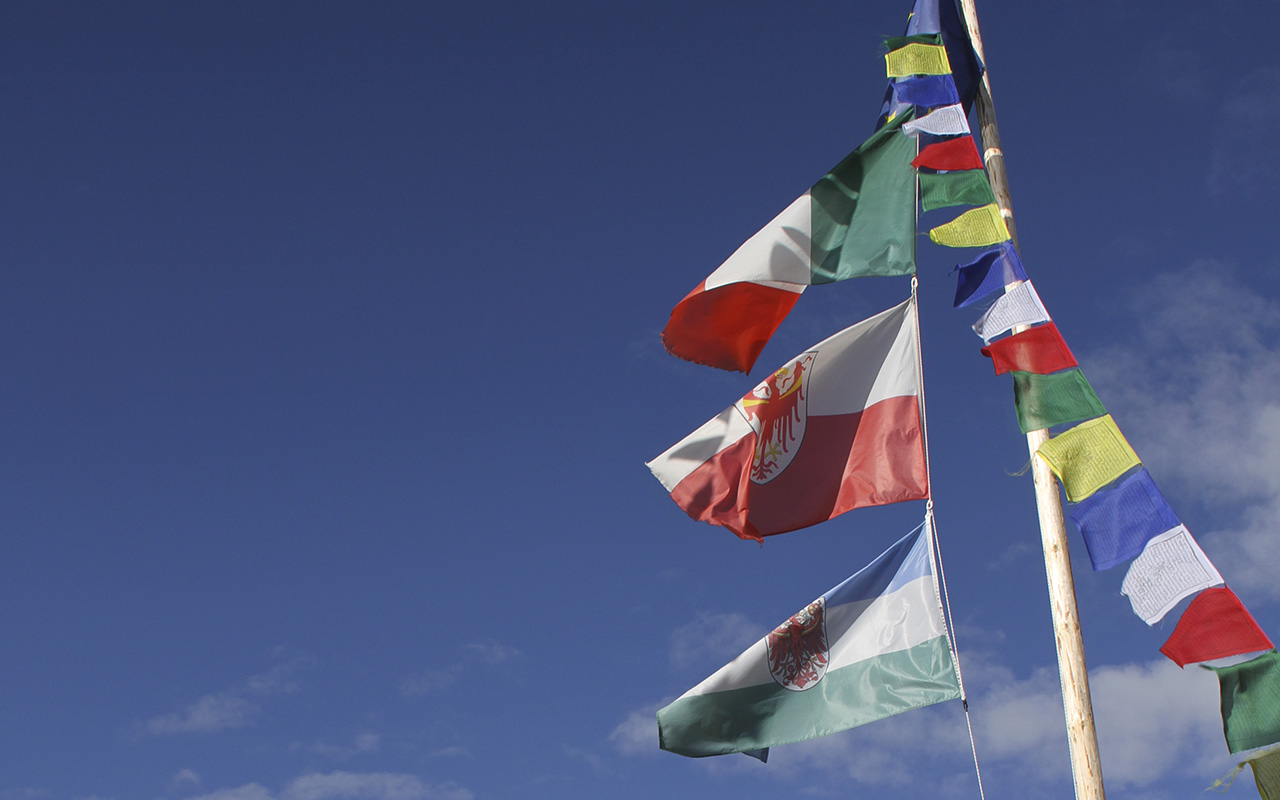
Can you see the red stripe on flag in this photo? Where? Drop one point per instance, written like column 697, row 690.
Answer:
column 847, row 461
column 951, row 154
column 726, row 327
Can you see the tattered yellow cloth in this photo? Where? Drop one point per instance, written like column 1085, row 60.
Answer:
column 917, row 59
column 1088, row 457
column 980, row 227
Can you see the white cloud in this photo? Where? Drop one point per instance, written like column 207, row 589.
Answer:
column 712, row 639
column 431, row 680
column 360, row 744
column 347, row 786
column 250, row 791
column 225, row 710
column 1244, row 160
column 1197, row 392
column 186, row 776
column 208, row 714
column 638, row 733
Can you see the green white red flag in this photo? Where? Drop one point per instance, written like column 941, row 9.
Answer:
column 859, row 220
column 838, row 427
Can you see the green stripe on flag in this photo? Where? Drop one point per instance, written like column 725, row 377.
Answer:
column 966, row 187
column 1043, row 401
column 769, row 714
column 863, row 210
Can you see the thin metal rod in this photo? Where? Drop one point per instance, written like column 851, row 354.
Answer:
column 1077, row 707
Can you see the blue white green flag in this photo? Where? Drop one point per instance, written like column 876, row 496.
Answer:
column 872, row 647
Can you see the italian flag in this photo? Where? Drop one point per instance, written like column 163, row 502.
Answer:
column 858, row 220
column 836, row 428
column 872, row 647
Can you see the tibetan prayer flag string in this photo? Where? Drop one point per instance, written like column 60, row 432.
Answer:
column 1215, row 625
column 1172, row 566
column 1040, row 350
column 1018, row 306
column 926, row 91
column 967, row 187
column 1251, row 702
column 950, row 154
column 944, row 121
column 1088, row 457
column 1117, row 523
column 980, row 227
column 1043, row 401
column 988, row 273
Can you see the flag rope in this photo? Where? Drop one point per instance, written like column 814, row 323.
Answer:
column 934, row 549
column 951, row 640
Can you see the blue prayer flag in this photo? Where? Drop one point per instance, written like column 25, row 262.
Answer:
column 992, row 271
column 926, row 91
column 1117, row 523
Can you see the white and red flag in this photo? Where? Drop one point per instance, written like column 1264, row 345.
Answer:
column 838, row 427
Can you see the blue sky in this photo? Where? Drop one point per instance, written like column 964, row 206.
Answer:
column 332, row 363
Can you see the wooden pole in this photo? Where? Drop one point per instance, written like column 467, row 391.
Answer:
column 1082, row 740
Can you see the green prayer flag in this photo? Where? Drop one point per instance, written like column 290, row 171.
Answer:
column 965, row 187
column 1251, row 702
column 863, row 211
column 1043, row 401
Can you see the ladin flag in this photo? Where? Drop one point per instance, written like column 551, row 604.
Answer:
column 871, row 647
column 836, row 428
column 858, row 220
column 1215, row 625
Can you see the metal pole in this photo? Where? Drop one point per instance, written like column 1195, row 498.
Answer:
column 1082, row 740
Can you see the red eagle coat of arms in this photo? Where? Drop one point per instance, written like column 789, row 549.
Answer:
column 776, row 411
column 797, row 649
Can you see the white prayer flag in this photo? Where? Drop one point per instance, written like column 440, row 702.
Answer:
column 1171, row 567
column 946, row 121
column 1018, row 306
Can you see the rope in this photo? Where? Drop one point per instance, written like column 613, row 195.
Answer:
column 951, row 641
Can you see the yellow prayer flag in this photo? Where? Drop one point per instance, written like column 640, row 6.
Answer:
column 979, row 227
column 917, row 59
column 1266, row 774
column 1089, row 456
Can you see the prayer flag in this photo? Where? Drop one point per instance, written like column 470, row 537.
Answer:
column 836, row 428
column 925, row 91
column 935, row 17
column 1040, row 350
column 1172, row 566
column 1017, row 306
column 1215, row 625
column 909, row 56
column 989, row 272
column 1117, row 523
column 1251, row 702
column 1266, row 774
column 979, row 227
column 858, row 220
column 966, row 187
column 871, row 647
column 949, row 154
column 1043, row 401
column 944, row 121
column 1088, row 457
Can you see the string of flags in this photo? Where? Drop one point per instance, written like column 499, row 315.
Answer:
column 853, row 401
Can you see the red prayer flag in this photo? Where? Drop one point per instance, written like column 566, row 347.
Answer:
column 1040, row 350
column 1215, row 625
column 950, row 154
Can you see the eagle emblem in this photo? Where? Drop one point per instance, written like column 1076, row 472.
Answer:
column 797, row 649
column 776, row 411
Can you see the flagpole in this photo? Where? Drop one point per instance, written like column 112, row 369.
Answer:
column 1082, row 740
